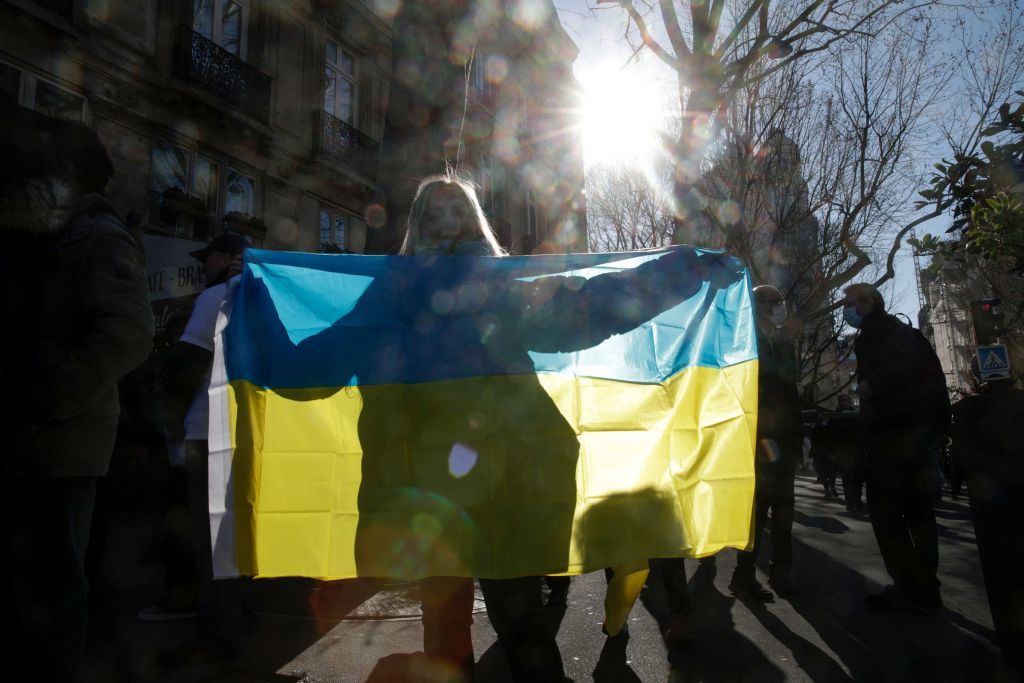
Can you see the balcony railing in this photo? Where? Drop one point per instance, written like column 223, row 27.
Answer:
column 336, row 139
column 203, row 63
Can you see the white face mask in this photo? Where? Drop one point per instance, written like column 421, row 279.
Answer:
column 779, row 315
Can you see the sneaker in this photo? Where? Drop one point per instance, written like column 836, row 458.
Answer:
column 158, row 613
column 750, row 589
column 680, row 630
column 893, row 600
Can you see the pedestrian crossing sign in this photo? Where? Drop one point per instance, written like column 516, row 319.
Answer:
column 993, row 362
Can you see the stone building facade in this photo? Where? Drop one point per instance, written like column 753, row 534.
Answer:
column 259, row 117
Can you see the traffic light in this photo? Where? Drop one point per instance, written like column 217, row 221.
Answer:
column 988, row 321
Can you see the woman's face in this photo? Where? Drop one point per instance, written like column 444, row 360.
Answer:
column 448, row 216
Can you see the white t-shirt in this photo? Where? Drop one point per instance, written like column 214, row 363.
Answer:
column 200, row 331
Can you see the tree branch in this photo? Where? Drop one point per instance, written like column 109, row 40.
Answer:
column 648, row 40
column 674, row 30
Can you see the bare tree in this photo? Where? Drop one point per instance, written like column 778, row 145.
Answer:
column 876, row 54
column 719, row 47
column 813, row 171
column 626, row 210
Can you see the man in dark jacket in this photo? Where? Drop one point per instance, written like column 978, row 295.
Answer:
column 904, row 408
column 988, row 446
column 77, row 319
column 778, row 449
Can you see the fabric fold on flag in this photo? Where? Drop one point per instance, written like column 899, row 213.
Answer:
column 481, row 416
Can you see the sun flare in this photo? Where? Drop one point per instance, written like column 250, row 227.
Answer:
column 622, row 114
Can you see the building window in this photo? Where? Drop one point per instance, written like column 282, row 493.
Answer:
column 205, row 181
column 340, row 83
column 183, row 191
column 186, row 188
column 41, row 95
column 57, row 102
column 222, row 21
column 333, row 230
column 241, row 194
column 168, row 167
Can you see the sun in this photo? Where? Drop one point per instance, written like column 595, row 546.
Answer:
column 622, row 112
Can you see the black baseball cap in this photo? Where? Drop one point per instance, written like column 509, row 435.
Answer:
column 228, row 243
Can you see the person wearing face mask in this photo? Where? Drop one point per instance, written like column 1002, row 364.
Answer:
column 905, row 415
column 777, row 453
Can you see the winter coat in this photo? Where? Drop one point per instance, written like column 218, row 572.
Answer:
column 907, row 387
column 77, row 318
column 778, row 400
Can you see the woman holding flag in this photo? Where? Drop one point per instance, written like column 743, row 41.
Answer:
column 446, row 218
column 443, row 416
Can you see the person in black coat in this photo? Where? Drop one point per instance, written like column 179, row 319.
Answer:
column 905, row 414
column 77, row 319
column 988, row 446
column 778, row 450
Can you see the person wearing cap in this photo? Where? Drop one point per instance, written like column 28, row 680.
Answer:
column 778, row 450
column 187, row 382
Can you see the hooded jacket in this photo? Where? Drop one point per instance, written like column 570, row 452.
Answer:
column 77, row 318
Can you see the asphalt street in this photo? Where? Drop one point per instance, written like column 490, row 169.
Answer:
column 323, row 632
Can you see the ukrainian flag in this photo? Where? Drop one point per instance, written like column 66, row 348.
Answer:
column 481, row 416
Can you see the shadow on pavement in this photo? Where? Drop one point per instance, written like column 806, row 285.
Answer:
column 613, row 665
column 284, row 618
column 492, row 665
column 940, row 645
column 718, row 652
column 829, row 525
column 818, row 665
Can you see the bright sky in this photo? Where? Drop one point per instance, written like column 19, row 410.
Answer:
column 628, row 99
column 622, row 111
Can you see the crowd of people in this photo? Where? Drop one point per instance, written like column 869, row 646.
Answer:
column 75, row 294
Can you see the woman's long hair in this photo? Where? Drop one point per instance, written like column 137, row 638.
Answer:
column 427, row 187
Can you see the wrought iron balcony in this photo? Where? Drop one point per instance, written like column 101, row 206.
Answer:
column 336, row 139
column 203, row 63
